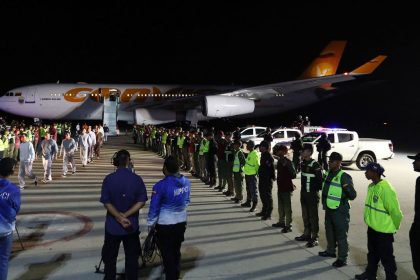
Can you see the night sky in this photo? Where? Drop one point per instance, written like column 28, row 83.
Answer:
column 198, row 42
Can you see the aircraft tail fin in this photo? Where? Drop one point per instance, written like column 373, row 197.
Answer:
column 369, row 66
column 326, row 63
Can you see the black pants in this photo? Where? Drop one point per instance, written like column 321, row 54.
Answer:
column 322, row 159
column 265, row 186
column 380, row 249
column 211, row 168
column 415, row 247
column 169, row 239
column 131, row 243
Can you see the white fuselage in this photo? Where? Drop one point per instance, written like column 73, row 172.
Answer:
column 85, row 101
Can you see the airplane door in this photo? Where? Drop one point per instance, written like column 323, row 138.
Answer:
column 30, row 96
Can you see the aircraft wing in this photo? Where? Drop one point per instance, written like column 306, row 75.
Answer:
column 266, row 91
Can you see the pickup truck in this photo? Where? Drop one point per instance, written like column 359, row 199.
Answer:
column 282, row 135
column 353, row 149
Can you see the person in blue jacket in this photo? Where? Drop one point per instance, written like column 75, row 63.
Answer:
column 9, row 207
column 168, row 212
column 123, row 195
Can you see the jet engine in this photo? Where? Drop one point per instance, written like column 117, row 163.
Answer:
column 226, row 106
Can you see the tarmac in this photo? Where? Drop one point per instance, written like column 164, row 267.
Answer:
column 61, row 226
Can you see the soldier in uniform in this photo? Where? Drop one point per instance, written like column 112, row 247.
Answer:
column 266, row 177
column 296, row 146
column 252, row 164
column 285, row 188
column 337, row 190
column 238, row 175
column 229, row 157
column 311, row 184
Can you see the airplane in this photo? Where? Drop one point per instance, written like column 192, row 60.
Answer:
column 157, row 104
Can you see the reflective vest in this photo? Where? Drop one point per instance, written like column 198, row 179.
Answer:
column 206, row 147
column 201, row 149
column 2, row 146
column 252, row 163
column 180, row 141
column 237, row 163
column 309, row 176
column 375, row 215
column 335, row 190
column 164, row 137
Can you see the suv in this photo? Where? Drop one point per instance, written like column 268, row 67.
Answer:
column 282, row 135
column 249, row 132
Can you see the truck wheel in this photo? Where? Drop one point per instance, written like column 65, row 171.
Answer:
column 363, row 160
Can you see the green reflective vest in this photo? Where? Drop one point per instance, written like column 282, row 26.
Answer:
column 335, row 190
column 237, row 163
column 201, row 148
column 164, row 137
column 252, row 163
column 180, row 141
column 309, row 176
column 382, row 209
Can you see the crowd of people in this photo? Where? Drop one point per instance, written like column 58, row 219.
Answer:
column 322, row 181
column 217, row 158
column 26, row 143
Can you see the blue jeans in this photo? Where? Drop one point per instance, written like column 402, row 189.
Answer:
column 5, row 249
column 251, row 188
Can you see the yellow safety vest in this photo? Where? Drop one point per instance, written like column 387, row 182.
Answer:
column 252, row 163
column 164, row 137
column 335, row 190
column 180, row 141
column 376, row 216
column 206, row 147
column 2, row 146
column 237, row 163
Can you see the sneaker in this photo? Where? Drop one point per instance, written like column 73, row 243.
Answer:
column 278, row 225
column 260, row 214
column 265, row 218
column 21, row 187
column 64, row 175
column 44, row 181
column 36, row 182
column 303, row 238
column 237, row 201
column 327, row 254
column 339, row 263
column 312, row 243
column 74, row 172
column 286, row 229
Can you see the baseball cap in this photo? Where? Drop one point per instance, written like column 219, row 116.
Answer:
column 376, row 167
column 336, row 156
column 416, row 157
